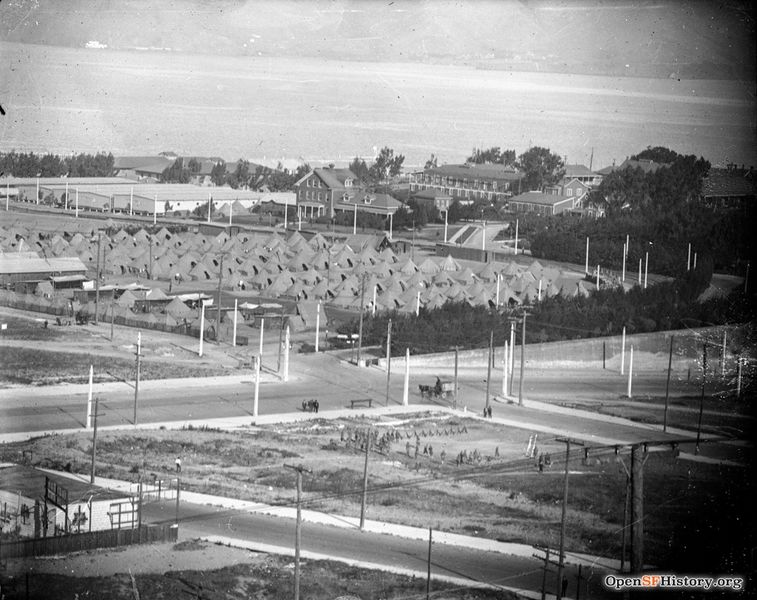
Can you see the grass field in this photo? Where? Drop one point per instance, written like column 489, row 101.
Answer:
column 41, row 367
column 501, row 497
column 31, row 328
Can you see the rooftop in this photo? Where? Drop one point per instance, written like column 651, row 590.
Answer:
column 727, row 184
column 572, row 171
column 540, row 198
column 485, row 171
column 30, row 482
column 10, row 264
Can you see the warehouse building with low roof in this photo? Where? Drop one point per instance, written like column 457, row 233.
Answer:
column 16, row 268
column 117, row 194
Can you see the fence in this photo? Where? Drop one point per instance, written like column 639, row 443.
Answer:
column 155, row 490
column 77, row 542
column 39, row 304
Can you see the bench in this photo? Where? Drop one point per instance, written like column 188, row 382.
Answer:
column 362, row 402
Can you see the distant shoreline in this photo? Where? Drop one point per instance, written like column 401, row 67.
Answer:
column 657, row 71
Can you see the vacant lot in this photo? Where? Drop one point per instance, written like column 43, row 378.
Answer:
column 186, row 570
column 32, row 354
column 496, row 492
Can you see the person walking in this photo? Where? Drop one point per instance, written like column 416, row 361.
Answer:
column 178, row 464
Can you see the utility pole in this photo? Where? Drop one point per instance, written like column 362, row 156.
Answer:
column 456, row 360
column 428, row 568
column 97, row 282
column 544, row 572
column 722, row 354
column 317, row 324
column 522, row 361
column 94, row 443
column 281, row 341
column 136, row 381
column 512, row 353
column 89, row 396
column 365, row 479
column 701, row 399
column 360, row 327
column 489, row 369
column 561, row 556
column 149, row 264
column 112, row 318
column 218, row 310
column 667, row 387
column 178, row 488
column 202, row 325
column 286, row 354
column 637, row 508
column 623, row 531
column 388, row 358
column 256, row 398
column 623, row 351
column 298, row 530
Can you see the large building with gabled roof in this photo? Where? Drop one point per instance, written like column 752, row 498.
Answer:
column 469, row 182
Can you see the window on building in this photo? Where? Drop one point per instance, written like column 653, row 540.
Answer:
column 348, row 182
column 569, row 192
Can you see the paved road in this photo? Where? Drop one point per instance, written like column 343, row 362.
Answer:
column 390, row 551
column 334, row 383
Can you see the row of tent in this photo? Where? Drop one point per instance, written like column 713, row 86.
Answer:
column 344, row 273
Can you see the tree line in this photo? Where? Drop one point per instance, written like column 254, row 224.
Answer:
column 665, row 306
column 29, row 164
column 660, row 212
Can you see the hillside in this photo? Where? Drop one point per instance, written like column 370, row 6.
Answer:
column 690, row 40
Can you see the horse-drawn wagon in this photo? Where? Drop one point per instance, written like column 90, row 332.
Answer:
column 442, row 389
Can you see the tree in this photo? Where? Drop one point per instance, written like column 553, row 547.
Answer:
column 218, row 173
column 658, row 154
column 386, row 165
column 176, row 173
column 509, row 158
column 202, row 210
column 241, row 175
column 492, row 155
column 360, row 169
column 540, row 168
column 431, row 163
column 454, row 214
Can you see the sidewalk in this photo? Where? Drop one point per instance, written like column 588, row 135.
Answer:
column 271, row 419
column 75, row 389
column 376, row 527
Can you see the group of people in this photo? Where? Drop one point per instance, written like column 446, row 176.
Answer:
column 488, row 411
column 381, row 441
column 545, row 460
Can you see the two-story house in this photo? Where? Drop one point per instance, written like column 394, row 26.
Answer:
column 555, row 199
column 583, row 174
column 322, row 189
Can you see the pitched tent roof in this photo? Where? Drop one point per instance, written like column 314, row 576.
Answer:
column 177, row 308
column 450, row 264
column 429, row 266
